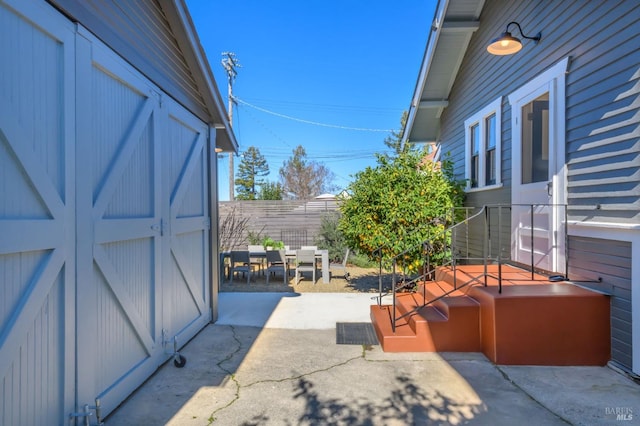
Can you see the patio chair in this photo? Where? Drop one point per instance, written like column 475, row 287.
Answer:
column 256, row 254
column 341, row 268
column 239, row 262
column 305, row 262
column 314, row 248
column 276, row 263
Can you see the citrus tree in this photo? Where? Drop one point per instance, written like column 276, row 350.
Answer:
column 399, row 204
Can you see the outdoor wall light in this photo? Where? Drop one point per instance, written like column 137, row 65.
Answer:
column 506, row 44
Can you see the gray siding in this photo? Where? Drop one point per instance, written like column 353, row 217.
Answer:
column 592, row 260
column 140, row 32
column 603, row 90
column 487, row 235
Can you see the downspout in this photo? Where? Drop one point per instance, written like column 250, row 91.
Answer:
column 214, row 246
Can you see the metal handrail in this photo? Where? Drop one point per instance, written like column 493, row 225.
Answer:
column 426, row 266
column 487, row 255
column 377, row 252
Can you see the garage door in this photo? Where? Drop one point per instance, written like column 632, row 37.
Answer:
column 143, row 223
column 37, row 255
column 104, row 248
column 186, row 273
column 119, row 208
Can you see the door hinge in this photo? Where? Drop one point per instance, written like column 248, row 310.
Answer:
column 162, row 227
column 157, row 227
column 207, row 223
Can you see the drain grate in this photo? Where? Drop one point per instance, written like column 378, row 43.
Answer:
column 355, row 333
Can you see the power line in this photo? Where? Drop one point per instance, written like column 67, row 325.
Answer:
column 315, row 106
column 315, row 123
column 281, row 153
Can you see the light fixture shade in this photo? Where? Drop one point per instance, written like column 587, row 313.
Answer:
column 506, row 44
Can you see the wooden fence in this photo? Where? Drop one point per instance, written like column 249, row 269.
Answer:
column 296, row 223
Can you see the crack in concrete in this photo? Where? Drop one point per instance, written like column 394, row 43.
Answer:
column 239, row 386
column 531, row 397
column 232, row 376
column 299, row 376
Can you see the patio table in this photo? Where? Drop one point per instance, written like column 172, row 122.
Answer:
column 323, row 255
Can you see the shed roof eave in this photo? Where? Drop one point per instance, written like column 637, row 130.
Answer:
column 189, row 42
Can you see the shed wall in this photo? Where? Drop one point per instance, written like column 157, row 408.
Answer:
column 140, row 32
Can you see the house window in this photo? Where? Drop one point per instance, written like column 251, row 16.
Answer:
column 482, row 134
column 475, row 154
column 490, row 151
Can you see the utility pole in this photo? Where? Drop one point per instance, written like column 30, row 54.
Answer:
column 230, row 63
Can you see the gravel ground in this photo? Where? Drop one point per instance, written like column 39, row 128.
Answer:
column 362, row 280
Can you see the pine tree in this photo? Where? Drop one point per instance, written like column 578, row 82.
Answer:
column 252, row 168
column 394, row 140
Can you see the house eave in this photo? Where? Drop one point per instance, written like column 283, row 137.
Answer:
column 454, row 23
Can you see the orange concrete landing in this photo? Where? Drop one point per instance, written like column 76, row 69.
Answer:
column 530, row 323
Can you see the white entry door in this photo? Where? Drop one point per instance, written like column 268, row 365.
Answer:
column 538, row 183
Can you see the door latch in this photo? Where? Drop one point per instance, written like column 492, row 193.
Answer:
column 86, row 413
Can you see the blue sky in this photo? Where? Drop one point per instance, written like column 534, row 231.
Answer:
column 343, row 63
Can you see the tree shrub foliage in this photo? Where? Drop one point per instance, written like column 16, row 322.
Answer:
column 251, row 171
column 399, row 204
column 303, row 179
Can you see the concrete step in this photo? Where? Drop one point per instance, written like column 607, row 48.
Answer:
column 450, row 324
column 531, row 322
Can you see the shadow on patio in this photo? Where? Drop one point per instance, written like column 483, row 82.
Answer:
column 363, row 280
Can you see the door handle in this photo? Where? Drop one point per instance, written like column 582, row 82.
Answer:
column 550, row 188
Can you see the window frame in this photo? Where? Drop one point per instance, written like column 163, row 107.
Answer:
column 480, row 119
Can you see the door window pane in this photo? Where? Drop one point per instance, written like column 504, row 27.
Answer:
column 535, row 140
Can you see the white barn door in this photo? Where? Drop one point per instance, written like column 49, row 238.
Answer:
column 143, row 247
column 186, row 224
column 104, row 221
column 119, row 227
column 37, row 232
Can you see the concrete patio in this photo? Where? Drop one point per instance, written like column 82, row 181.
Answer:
column 272, row 359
